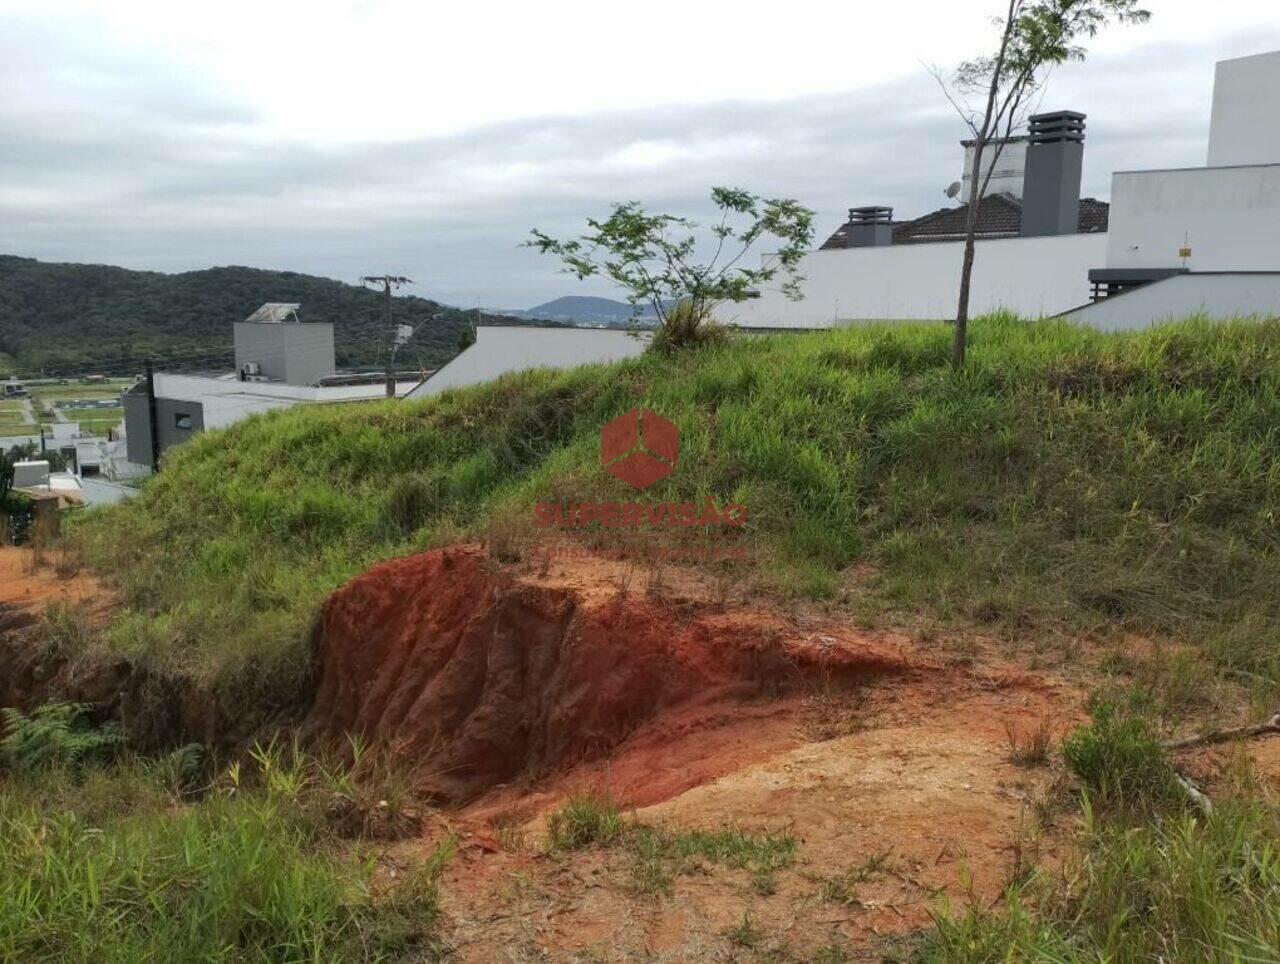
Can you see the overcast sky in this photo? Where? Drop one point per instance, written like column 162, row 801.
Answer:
column 348, row 138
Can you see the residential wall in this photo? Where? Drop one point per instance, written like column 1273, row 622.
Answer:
column 499, row 350
column 1229, row 216
column 1029, row 276
column 1245, row 128
column 137, row 424
column 1214, row 296
column 296, row 354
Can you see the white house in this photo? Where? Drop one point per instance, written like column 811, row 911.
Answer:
column 500, row 349
column 1201, row 240
column 1044, row 250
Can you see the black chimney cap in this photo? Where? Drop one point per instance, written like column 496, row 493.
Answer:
column 873, row 214
column 1054, row 126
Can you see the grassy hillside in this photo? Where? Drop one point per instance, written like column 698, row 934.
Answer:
column 58, row 316
column 1066, row 483
column 1065, row 480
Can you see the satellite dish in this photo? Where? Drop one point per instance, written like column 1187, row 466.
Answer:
column 952, row 189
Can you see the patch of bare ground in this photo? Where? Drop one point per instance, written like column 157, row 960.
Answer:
column 28, row 584
column 905, row 776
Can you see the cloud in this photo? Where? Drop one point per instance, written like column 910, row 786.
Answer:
column 128, row 157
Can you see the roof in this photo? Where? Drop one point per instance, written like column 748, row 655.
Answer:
column 999, row 216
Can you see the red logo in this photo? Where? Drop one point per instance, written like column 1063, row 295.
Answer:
column 640, row 447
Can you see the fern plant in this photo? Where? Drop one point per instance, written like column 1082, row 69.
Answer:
column 55, row 734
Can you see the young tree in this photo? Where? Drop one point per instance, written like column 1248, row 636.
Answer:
column 1035, row 35
column 656, row 257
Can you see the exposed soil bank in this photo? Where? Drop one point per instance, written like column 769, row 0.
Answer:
column 483, row 677
column 157, row 710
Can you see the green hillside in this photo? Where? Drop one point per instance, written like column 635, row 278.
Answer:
column 1065, row 479
column 1100, row 507
column 56, row 317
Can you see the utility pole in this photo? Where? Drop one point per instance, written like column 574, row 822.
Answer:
column 389, row 281
column 151, row 417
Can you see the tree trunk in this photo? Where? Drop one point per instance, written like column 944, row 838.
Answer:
column 966, row 266
column 962, row 309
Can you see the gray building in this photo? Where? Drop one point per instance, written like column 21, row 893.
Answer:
column 176, row 421
column 267, row 346
column 279, row 362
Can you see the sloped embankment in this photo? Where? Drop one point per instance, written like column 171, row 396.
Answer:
column 483, row 677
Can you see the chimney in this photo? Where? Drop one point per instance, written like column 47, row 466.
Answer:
column 869, row 227
column 1051, row 182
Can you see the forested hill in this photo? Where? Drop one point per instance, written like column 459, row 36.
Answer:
column 59, row 316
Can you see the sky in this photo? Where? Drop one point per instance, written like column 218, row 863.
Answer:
column 345, row 139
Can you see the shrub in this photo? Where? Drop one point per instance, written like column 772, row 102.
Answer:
column 1119, row 758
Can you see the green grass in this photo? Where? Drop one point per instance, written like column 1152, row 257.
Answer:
column 1119, row 758
column 1065, row 479
column 584, row 820
column 657, row 855
column 110, row 864
column 1176, row 888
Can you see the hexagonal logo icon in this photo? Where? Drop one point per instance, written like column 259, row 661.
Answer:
column 640, row 447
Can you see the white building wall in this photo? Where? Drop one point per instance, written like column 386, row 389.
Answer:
column 1029, row 276
column 1214, row 296
column 1228, row 216
column 499, row 350
column 1245, row 128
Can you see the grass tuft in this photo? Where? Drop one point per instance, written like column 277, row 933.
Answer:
column 1120, row 759
column 583, row 820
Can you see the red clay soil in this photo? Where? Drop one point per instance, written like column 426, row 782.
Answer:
column 484, row 678
column 26, row 587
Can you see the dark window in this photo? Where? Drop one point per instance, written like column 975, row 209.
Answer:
column 181, row 420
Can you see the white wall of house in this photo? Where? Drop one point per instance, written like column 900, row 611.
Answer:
column 501, row 349
column 227, row 400
column 1228, row 216
column 1214, row 296
column 1029, row 276
column 1244, row 128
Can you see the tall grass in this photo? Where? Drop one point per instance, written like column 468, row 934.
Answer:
column 1063, row 478
column 108, row 864
column 1177, row 888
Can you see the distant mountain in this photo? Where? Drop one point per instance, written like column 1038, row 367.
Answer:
column 60, row 316
column 584, row 310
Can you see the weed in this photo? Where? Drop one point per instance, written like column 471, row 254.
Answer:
column 658, row 855
column 1177, row 888
column 108, row 865
column 583, row 820
column 746, row 933
column 1119, row 758
column 1031, row 748
column 842, row 888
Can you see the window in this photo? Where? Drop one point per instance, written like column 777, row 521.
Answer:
column 181, row 420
